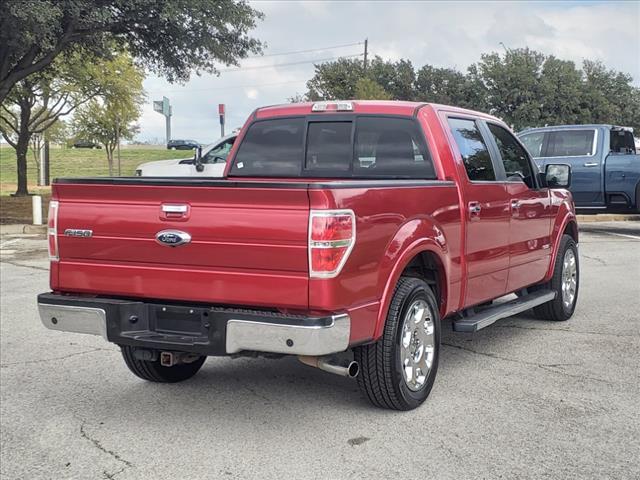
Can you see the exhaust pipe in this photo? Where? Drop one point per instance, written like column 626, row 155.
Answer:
column 324, row 363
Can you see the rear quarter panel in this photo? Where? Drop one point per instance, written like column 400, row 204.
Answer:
column 393, row 225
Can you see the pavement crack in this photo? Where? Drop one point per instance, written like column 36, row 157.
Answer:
column 548, row 367
column 96, row 443
column 595, row 259
column 55, row 359
column 33, row 267
column 257, row 394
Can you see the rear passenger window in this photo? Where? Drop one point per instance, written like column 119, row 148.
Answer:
column 271, row 148
column 391, row 147
column 571, row 143
column 474, row 151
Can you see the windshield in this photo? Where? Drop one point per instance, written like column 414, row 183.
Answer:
column 342, row 146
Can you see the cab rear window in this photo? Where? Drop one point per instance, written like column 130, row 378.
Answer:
column 342, row 147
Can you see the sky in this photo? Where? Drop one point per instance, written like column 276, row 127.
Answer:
column 444, row 34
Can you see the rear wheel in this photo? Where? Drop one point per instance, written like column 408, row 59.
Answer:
column 565, row 282
column 398, row 371
column 638, row 198
column 153, row 371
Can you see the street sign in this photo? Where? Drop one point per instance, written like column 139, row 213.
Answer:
column 163, row 107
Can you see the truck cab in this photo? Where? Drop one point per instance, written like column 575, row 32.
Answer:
column 605, row 166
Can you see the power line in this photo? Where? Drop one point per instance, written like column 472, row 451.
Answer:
column 226, row 88
column 289, row 63
column 307, row 51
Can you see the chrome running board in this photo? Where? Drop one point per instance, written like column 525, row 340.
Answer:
column 487, row 316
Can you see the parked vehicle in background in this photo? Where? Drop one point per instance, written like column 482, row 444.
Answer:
column 339, row 225
column 605, row 166
column 182, row 145
column 213, row 161
column 85, row 144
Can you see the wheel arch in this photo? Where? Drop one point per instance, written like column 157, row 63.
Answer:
column 424, row 256
column 569, row 226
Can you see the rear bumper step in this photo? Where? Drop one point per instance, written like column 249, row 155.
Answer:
column 197, row 329
column 488, row 316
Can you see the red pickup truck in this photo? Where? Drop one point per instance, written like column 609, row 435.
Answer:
column 343, row 232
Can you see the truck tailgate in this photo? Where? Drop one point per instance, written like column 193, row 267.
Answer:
column 248, row 244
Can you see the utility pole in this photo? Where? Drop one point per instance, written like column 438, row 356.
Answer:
column 366, row 45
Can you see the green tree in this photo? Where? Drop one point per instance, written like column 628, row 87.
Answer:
column 442, row 85
column 112, row 117
column 37, row 102
column 335, row 80
column 397, row 78
column 512, row 85
column 560, row 87
column 367, row 89
column 608, row 96
column 171, row 38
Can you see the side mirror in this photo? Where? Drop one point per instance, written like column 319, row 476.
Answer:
column 197, row 159
column 557, row 175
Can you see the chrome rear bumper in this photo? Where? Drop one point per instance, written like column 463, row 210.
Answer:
column 69, row 318
column 198, row 329
column 294, row 339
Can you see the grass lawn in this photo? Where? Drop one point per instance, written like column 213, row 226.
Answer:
column 67, row 162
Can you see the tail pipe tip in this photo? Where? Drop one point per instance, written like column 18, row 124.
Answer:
column 351, row 369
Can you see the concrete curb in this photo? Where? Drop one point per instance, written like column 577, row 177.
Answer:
column 608, row 217
column 19, row 228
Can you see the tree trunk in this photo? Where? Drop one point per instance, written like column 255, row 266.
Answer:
column 109, row 152
column 21, row 155
column 22, row 147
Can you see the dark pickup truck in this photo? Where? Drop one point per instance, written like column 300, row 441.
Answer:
column 605, row 167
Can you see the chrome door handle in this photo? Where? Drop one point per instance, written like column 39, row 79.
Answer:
column 474, row 208
column 591, row 164
column 515, row 204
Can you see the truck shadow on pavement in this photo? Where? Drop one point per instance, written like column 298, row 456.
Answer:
column 265, row 390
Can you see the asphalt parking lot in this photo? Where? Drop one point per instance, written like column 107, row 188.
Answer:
column 521, row 399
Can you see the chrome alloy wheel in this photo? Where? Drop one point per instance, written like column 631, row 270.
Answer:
column 569, row 278
column 417, row 344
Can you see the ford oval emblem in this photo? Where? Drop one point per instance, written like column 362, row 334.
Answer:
column 172, row 238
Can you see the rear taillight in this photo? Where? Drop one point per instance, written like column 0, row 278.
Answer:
column 52, row 231
column 332, row 234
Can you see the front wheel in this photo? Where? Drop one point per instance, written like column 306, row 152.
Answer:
column 153, row 371
column 565, row 282
column 398, row 371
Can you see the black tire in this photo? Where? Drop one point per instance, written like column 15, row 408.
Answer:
column 638, row 198
column 152, row 371
column 381, row 376
column 556, row 309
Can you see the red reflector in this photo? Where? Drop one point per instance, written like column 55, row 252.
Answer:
column 327, row 259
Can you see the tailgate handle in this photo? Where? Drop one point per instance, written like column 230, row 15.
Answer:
column 175, row 212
